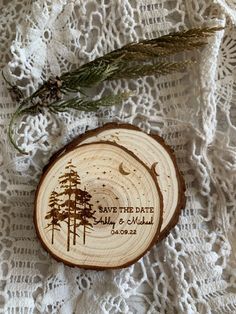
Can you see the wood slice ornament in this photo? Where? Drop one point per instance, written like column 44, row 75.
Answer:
column 158, row 156
column 98, row 206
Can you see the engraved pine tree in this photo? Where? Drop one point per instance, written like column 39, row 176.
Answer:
column 53, row 214
column 69, row 182
column 70, row 205
column 86, row 214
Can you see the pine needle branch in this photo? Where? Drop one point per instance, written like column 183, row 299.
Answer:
column 148, row 51
column 87, row 76
column 11, row 128
column 75, row 103
column 191, row 34
column 174, row 42
column 133, row 60
column 106, row 67
column 161, row 46
column 89, row 105
column 160, row 68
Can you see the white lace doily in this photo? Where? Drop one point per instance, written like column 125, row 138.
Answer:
column 193, row 269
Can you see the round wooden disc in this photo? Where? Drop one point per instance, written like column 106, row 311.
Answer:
column 153, row 151
column 98, row 206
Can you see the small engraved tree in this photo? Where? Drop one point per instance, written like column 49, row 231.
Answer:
column 53, row 214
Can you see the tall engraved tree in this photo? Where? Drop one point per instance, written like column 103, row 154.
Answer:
column 53, row 214
column 70, row 205
column 86, row 214
column 69, row 182
column 76, row 215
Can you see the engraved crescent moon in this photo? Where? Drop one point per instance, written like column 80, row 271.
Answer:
column 153, row 168
column 122, row 171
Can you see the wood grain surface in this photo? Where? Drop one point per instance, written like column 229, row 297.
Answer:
column 98, row 206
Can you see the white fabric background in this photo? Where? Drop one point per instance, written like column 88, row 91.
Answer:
column 193, row 269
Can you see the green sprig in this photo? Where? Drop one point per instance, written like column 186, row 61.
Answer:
column 133, row 60
column 76, row 103
column 160, row 68
column 88, row 105
column 86, row 77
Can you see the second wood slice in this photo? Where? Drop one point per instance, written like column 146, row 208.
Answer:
column 98, row 206
column 153, row 151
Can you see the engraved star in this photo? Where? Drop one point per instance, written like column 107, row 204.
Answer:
column 104, row 172
column 104, row 185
